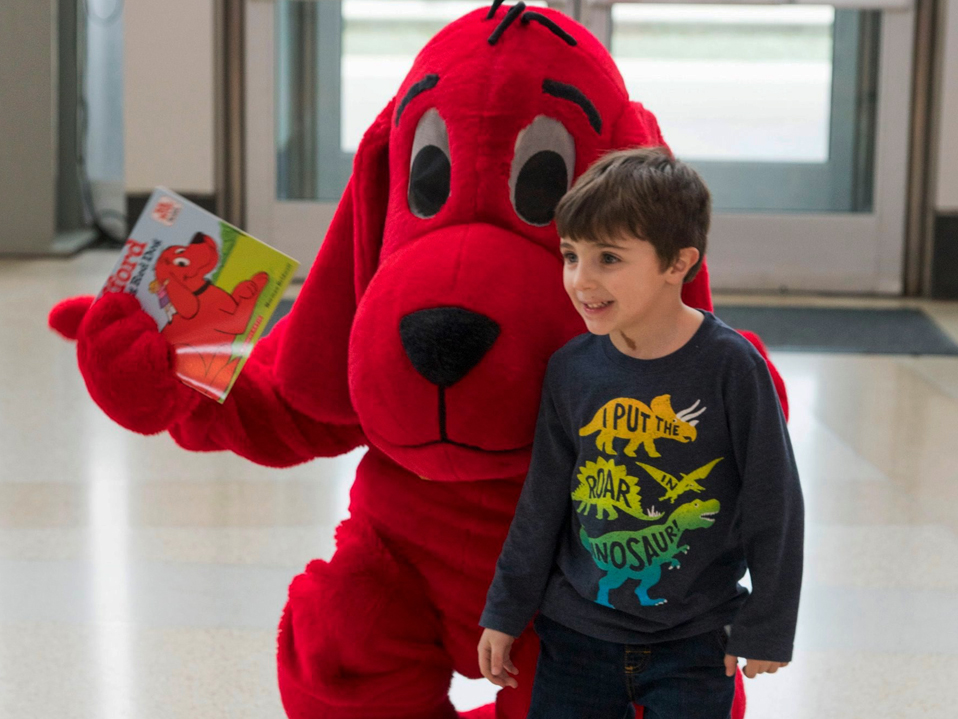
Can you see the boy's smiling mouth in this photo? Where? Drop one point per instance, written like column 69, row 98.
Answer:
column 596, row 306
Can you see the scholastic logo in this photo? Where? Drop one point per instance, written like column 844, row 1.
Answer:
column 166, row 211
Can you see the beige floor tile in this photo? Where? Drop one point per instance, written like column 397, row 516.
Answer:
column 271, row 546
column 889, row 556
column 122, row 671
column 856, row 685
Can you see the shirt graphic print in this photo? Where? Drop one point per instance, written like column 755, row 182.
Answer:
column 640, row 554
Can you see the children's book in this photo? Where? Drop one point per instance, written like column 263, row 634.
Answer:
column 210, row 287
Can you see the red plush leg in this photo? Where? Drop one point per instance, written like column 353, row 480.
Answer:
column 738, row 703
column 359, row 638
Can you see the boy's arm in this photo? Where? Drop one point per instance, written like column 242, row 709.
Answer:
column 529, row 550
column 771, row 511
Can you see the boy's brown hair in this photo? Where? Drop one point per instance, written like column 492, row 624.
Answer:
column 642, row 192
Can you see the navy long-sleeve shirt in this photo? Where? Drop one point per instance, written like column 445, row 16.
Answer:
column 653, row 485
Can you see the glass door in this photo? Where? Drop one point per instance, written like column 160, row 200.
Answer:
column 796, row 115
column 768, row 102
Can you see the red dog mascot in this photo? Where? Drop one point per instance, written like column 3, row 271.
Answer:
column 423, row 330
column 207, row 318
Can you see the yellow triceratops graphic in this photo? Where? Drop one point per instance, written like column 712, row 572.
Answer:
column 626, row 418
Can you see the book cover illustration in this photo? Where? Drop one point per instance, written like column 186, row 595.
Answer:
column 210, row 287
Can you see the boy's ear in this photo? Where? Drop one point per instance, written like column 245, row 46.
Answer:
column 641, row 129
column 311, row 366
column 687, row 258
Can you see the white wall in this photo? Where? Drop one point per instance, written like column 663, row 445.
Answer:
column 168, row 107
column 947, row 197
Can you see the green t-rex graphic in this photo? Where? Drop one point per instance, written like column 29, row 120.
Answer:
column 675, row 486
column 640, row 554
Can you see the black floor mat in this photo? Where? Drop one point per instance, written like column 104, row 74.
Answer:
column 826, row 329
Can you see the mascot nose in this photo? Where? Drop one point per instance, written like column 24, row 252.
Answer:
column 445, row 343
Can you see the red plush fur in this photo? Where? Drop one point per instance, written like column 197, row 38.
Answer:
column 378, row 630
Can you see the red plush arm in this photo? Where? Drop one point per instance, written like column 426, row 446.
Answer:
column 258, row 423
column 291, row 401
column 128, row 369
column 776, row 377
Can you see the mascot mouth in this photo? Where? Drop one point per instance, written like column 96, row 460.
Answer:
column 444, row 344
column 444, row 437
column 440, row 442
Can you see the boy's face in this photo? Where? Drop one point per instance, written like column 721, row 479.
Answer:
column 618, row 284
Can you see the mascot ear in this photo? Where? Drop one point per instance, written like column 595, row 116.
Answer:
column 312, row 361
column 641, row 129
column 697, row 293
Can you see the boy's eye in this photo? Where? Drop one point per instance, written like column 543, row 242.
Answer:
column 609, row 259
column 569, row 257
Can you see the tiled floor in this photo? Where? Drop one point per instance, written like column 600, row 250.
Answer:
column 138, row 580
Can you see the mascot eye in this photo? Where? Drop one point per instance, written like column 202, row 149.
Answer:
column 181, row 262
column 541, row 170
column 430, row 168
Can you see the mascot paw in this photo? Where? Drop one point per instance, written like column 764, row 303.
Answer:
column 128, row 366
column 485, row 712
column 66, row 317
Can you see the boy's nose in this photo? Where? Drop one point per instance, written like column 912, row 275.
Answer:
column 582, row 281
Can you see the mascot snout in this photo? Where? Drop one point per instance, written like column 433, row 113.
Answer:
column 473, row 313
column 445, row 343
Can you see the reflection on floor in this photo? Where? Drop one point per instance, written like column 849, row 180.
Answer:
column 137, row 580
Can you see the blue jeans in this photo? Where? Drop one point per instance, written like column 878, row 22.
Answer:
column 579, row 677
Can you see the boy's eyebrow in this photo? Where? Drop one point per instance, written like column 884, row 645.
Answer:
column 569, row 244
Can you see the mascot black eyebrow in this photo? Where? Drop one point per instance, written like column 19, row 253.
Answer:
column 423, row 331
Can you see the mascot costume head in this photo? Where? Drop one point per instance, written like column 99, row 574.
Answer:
column 423, row 331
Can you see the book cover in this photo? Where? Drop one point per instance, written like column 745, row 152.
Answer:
column 210, row 287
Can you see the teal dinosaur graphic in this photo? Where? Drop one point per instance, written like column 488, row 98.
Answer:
column 640, row 554
column 676, row 487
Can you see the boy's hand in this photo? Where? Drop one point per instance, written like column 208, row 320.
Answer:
column 753, row 667
column 494, row 657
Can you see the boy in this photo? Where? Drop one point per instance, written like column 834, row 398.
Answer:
column 661, row 470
